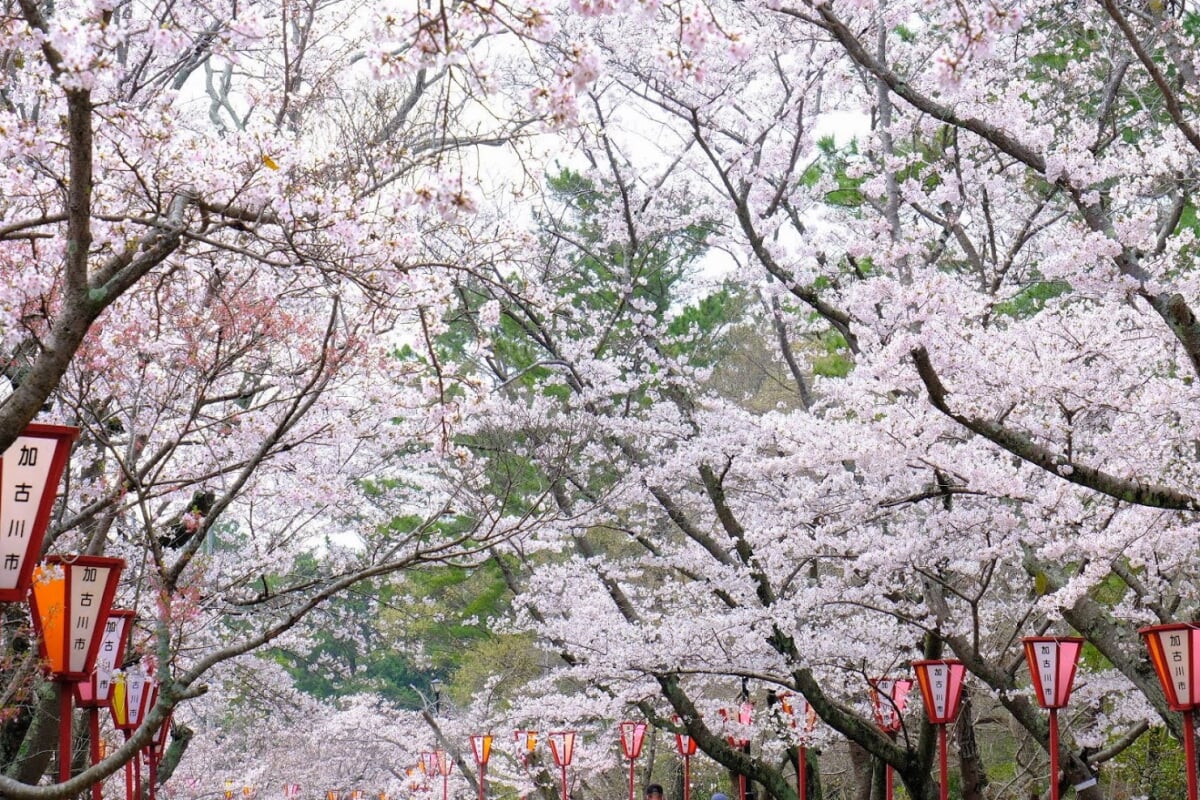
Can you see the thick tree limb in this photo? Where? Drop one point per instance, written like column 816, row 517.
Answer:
column 1024, row 447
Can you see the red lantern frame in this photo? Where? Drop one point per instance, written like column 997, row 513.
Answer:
column 1174, row 651
column 1052, row 663
column 941, row 683
column 562, row 755
column 25, row 481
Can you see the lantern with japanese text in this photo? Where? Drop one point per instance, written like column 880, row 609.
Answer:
column 889, row 696
column 96, row 692
column 526, row 744
column 1175, row 653
column 941, row 683
column 632, row 735
column 30, row 470
column 562, row 748
column 71, row 599
column 481, row 748
column 1052, row 662
column 133, row 695
column 686, row 745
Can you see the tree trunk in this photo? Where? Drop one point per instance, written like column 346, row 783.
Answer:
column 41, row 740
column 974, row 777
column 861, row 772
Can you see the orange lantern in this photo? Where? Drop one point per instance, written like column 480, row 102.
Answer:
column 71, row 600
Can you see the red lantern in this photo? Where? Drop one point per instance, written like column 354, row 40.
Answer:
column 30, row 470
column 632, row 736
column 941, row 690
column 1052, row 663
column 562, row 748
column 96, row 691
column 481, row 747
column 526, row 744
column 1175, row 654
column 745, row 715
column 889, row 696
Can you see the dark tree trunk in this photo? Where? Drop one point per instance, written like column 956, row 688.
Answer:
column 862, row 772
column 974, row 776
column 41, row 740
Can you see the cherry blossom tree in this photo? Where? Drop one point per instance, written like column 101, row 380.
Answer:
column 214, row 265
column 1002, row 258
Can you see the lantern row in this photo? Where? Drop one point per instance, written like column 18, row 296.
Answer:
column 81, row 638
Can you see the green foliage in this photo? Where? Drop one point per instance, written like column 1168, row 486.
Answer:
column 1153, row 767
column 835, row 361
column 1032, row 299
column 835, row 162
